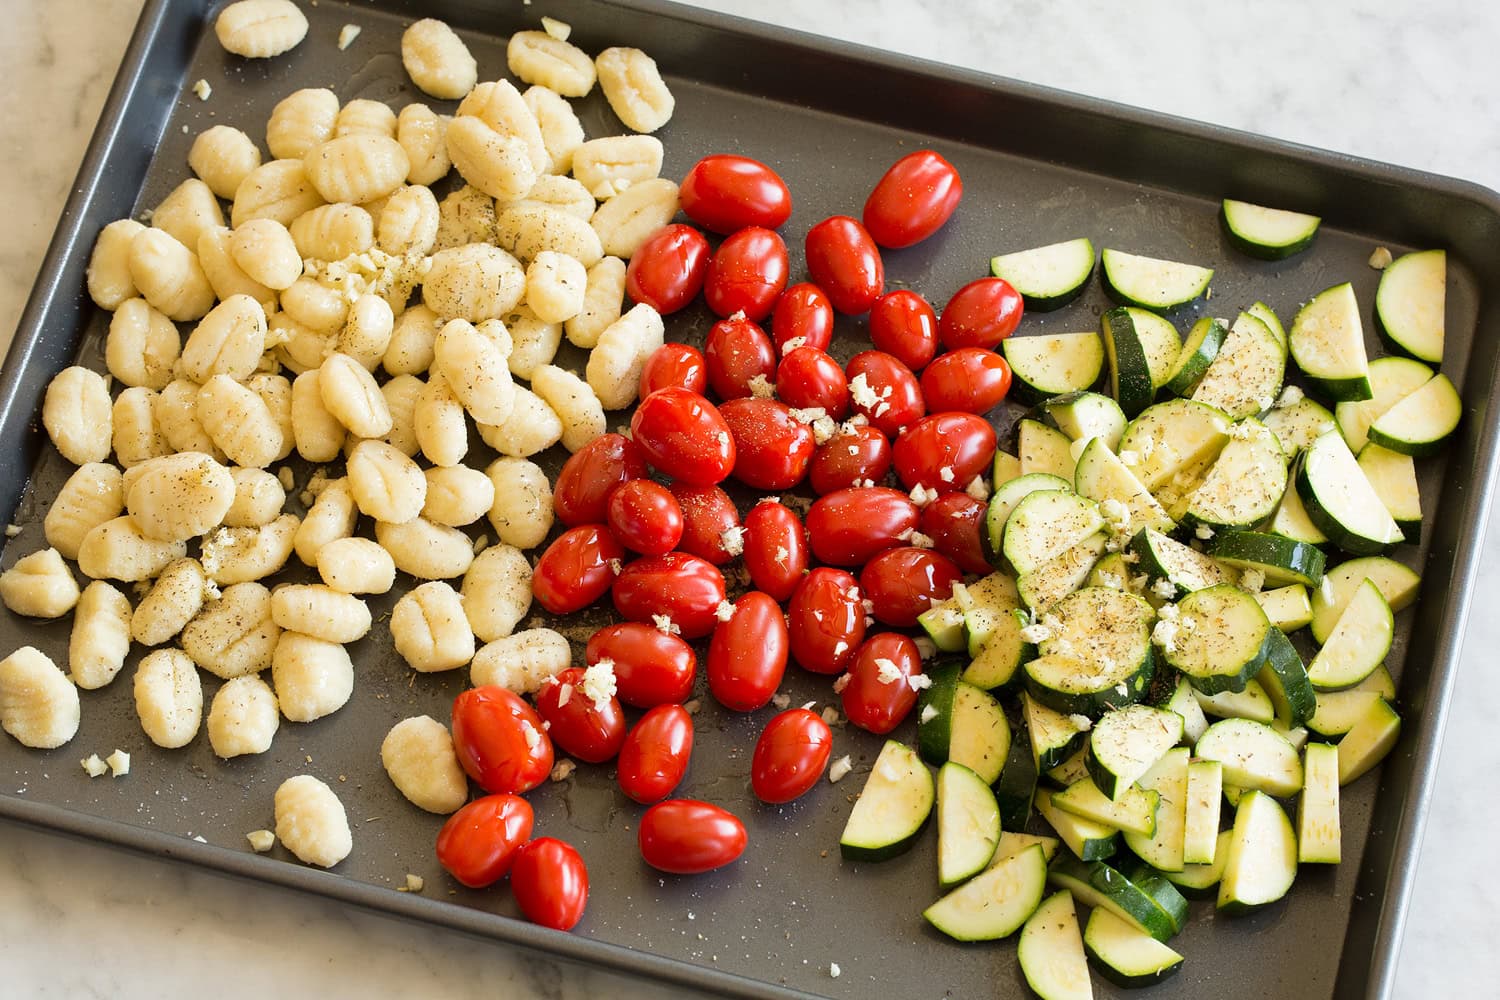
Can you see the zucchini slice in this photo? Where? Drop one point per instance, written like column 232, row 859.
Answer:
column 1281, row 560
column 1246, row 483
column 1102, row 477
column 1047, row 277
column 892, row 809
column 1288, row 608
column 994, row 663
column 1044, row 449
column 1129, row 373
column 967, row 727
column 1398, row 585
column 1268, row 316
column 1150, row 282
column 1096, row 656
column 1163, row 850
column 1254, row 756
column 1205, row 790
column 1358, row 643
column 1005, row 468
column 1245, row 379
column 1127, row 743
column 1409, row 304
column 1134, row 811
column 1420, row 423
column 1054, row 736
column 1319, row 838
column 1088, row 840
column 1171, row 439
column 1084, row 415
column 1368, row 741
column 1161, row 342
column 1111, row 571
column 1183, row 568
column 1328, row 343
column 1051, row 952
column 1267, row 233
column 1219, row 640
column 1053, row 364
column 1340, row 501
column 1184, row 701
column 1252, row 703
column 1198, row 352
column 1393, row 477
column 1201, row 880
column 1054, row 580
column 1291, row 520
column 1126, row 955
column 1012, row 844
column 1072, row 770
column 1285, row 681
column 1337, row 712
column 1296, row 736
column 1016, row 786
column 1047, row 523
column 1262, row 861
column 1004, row 500
column 968, row 822
column 1152, row 905
column 944, row 625
column 1391, row 380
column 1298, row 424
column 995, row 903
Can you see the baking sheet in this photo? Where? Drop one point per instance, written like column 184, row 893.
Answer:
column 830, row 118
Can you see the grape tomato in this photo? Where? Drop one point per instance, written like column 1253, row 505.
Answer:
column 478, row 844
column 652, row 667
column 825, row 620
column 903, row 582
column 913, row 199
column 674, row 365
column 790, row 756
column 845, row 263
column 849, row 527
column 500, row 740
column 576, row 569
column 772, row 447
column 550, row 883
column 803, row 313
column 857, row 454
column 683, row 587
column 968, row 380
column 980, row 314
column 953, row 521
column 904, row 325
column 746, row 274
column 710, row 522
column 885, row 391
column 656, row 754
column 945, row 451
column 686, row 836
column 735, row 353
column 584, row 728
column 591, row 474
column 723, row 193
column 644, row 517
column 808, row 378
column 748, row 652
column 668, row 269
column 776, row 548
column 879, row 693
column 683, row 435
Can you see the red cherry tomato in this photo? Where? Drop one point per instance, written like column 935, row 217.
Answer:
column 683, row 587
column 478, row 844
column 735, row 352
column 550, row 883
column 747, row 654
column 723, row 193
column 656, row 753
column 857, row 454
column 709, row 521
column 913, row 200
column 682, row 434
column 825, row 620
column 804, row 312
column 904, row 326
column 790, row 756
column 808, row 378
column 845, row 262
column 980, row 314
column 652, row 667
column 645, row 517
column 894, row 399
column 775, row 548
column 945, row 451
column 873, row 699
column 771, row 447
column 902, row 583
column 968, row 380
column 576, row 569
column 677, row 366
column 685, row 837
column 591, row 474
column 576, row 723
column 667, row 271
column 849, row 527
column 953, row 522
column 500, row 740
column 746, row 274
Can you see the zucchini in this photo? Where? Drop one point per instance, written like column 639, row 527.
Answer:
column 1252, row 703
column 892, row 809
column 1262, row 861
column 1184, row 701
column 967, row 727
column 1391, row 380
column 1358, row 643
column 1340, row 501
column 1420, row 423
column 1318, row 833
column 1053, row 364
column 1152, row 283
column 1102, row 477
column 1135, row 811
column 1197, row 353
column 1397, row 584
column 1056, row 579
column 1296, row 736
column 1161, row 342
column 1163, row 850
column 1220, row 638
column 1129, row 373
column 1047, row 277
column 944, row 625
column 1245, row 484
column 1172, row 438
column 1254, row 756
column 935, row 712
column 1016, row 786
column 1291, row 520
column 996, row 648
column 1268, row 316
column 1245, row 379
column 995, row 903
column 1368, row 741
column 1205, row 789
column 1288, row 608
column 968, row 822
column 996, row 591
column 1393, row 477
column 1185, row 569
column 1280, row 560
column 1005, row 468
column 1328, row 343
column 1072, row 770
column 1267, row 233
column 1298, row 424
column 1045, row 524
column 1285, row 681
column 1337, row 712
column 1202, row 879
column 1054, row 736
column 1088, row 840
column 1051, row 952
column 1126, row 955
column 1126, row 743
column 1004, row 500
column 1409, row 304
column 1084, row 415
column 1111, row 571
column 1155, row 906
column 1043, row 449
column 1097, row 656
column 1012, row 843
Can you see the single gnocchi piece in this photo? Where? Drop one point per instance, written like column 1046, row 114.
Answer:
column 575, row 403
column 318, row 610
column 169, row 276
column 401, row 394
column 437, row 60
column 465, row 216
column 319, row 307
column 188, row 212
column 38, row 704
column 531, row 427
column 137, row 437
column 474, row 282
column 332, row 517
column 562, row 132
column 177, row 418
column 276, row 392
column 430, row 630
column 333, row 232
column 100, row 640
column 311, row 822
column 243, row 717
column 239, row 422
column 500, row 106
column 426, row 550
column 92, row 495
column 239, row 555
column 475, row 371
column 265, row 251
column 258, row 498
column 109, row 278
column 142, row 345
column 228, row 341
column 615, row 364
column 633, row 86
column 603, row 299
column 357, row 168
column 420, row 760
column 319, row 435
column 457, row 495
column 173, row 600
column 222, row 157
column 497, row 592
column 564, row 194
column 180, row 496
column 629, row 218
column 521, row 662
column 422, row 132
column 40, row 585
column 496, row 163
column 118, row 550
column 409, row 224
column 216, row 257
column 260, row 29
column 300, row 122
column 442, row 432
column 413, row 335
column 356, row 566
column 386, row 484
column 279, row 190
column 234, row 635
column 536, row 57
column 77, row 413
column 313, row 677
column 609, row 165
column 555, row 285
column 522, row 512
column 169, row 698
column 363, row 116
column 367, row 330
column 529, row 227
column 352, row 395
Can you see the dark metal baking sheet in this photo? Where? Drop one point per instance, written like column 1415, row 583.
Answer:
column 1038, row 166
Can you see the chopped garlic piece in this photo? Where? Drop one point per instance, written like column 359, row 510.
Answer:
column 824, row 428
column 691, row 707
column 724, row 611
column 1290, row 396
column 565, row 695
column 842, row 682
column 261, row 841
column 1253, row 580
column 533, row 738
column 1380, row 259
column 781, row 700
column 1036, row 633
column 841, row 767
column 616, row 566
column 559, row 30
column 946, row 473
column 929, row 712
column 203, row 90
column 415, row 883
column 1082, row 722
column 921, row 541
column 830, row 715
column 886, row 670
column 665, row 625
column 761, row 388
column 808, row 414
column 119, row 763
column 792, row 345
column 1164, row 588
column 922, row 496
column 599, row 683
column 1204, row 532
column 918, row 682
column 862, row 392
column 93, row 765
column 1130, row 457
column 978, row 489
column 833, row 970
column 563, row 769
column 926, row 648
column 1169, row 612
column 347, row 34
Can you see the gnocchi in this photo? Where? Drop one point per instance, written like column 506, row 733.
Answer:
column 633, row 86
column 457, row 495
column 332, row 517
column 351, row 394
column 228, row 341
column 92, row 495
column 465, row 216
column 626, row 220
column 234, row 635
column 258, row 498
column 168, row 698
column 177, row 418
column 38, row 704
column 357, row 168
column 530, row 227
column 500, row 106
column 265, row 251
column 575, row 403
column 222, row 156
column 401, row 394
column 279, row 190
column 300, row 122
column 530, row 428
column 495, row 163
column 142, row 345
column 178, row 497
column 421, row 132
column 437, row 60
column 412, row 338
column 609, row 165
column 100, row 639
column 615, row 364
column 188, row 212
column 536, row 57
column 260, row 29
column 555, row 285
column 438, row 421
column 313, row 678
column 426, row 550
column 169, row 276
column 603, row 298
column 409, row 224
column 311, row 822
column 318, row 610
column 475, row 282
column 475, row 371
column 137, row 438
column 216, row 257
column 419, row 757
column 522, row 512
column 173, row 600
column 356, row 566
column 430, row 630
column 109, row 279
column 239, row 422
column 243, row 717
column 386, row 484
column 521, row 662
column 78, row 415
column 239, row 555
column 497, row 592
column 333, row 232
column 40, row 585
column 562, row 132
column 363, row 116
column 118, row 550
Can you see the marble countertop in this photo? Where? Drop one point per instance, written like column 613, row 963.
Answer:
column 1405, row 81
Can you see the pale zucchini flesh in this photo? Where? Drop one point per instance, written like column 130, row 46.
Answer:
column 1358, row 643
column 1252, row 703
column 1046, row 524
column 1205, row 791
column 1126, row 743
column 1254, row 756
column 890, row 812
column 1337, row 712
column 1391, row 380
column 1246, row 377
column 1398, row 585
column 1297, row 425
column 968, row 821
column 1171, row 438
column 1368, row 741
column 1051, row 952
column 1319, row 839
column 1084, row 415
column 1150, row 282
column 1161, row 342
column 1101, row 476
column 1163, row 850
column 1053, row 364
column 995, row 903
column 1409, row 304
column 1044, row 449
column 1219, row 641
column 1196, row 354
column 1184, row 701
column 1393, row 477
column 1288, row 608
column 1340, row 501
column 1420, row 423
column 1328, row 343
column 1088, row 840
column 1134, row 810
column 1262, row 862
column 1047, row 277
column 1245, row 484
column 1129, row 372
column 1126, row 955
column 1267, row 233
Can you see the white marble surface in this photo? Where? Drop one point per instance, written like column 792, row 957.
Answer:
column 1405, row 81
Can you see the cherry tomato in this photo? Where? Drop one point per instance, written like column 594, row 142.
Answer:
column 746, row 274
column 901, row 583
column 904, row 326
column 808, row 378
column 913, row 200
column 849, row 527
column 590, row 731
column 576, row 569
column 825, row 620
column 775, row 548
column 682, row 434
column 804, row 312
column 894, row 399
column 685, row 837
column 747, row 654
column 500, row 740
column 656, row 753
column 550, row 883
column 771, row 447
column 845, row 262
column 945, row 451
column 676, row 366
column 478, row 844
column 980, row 314
column 735, row 352
column 790, row 756
column 668, row 269
column 723, row 193
column 591, row 474
column 645, row 517
column 683, row 587
column 872, row 698
column 968, row 380
column 857, row 454
column 652, row 667
column 953, row 522
column 709, row 522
